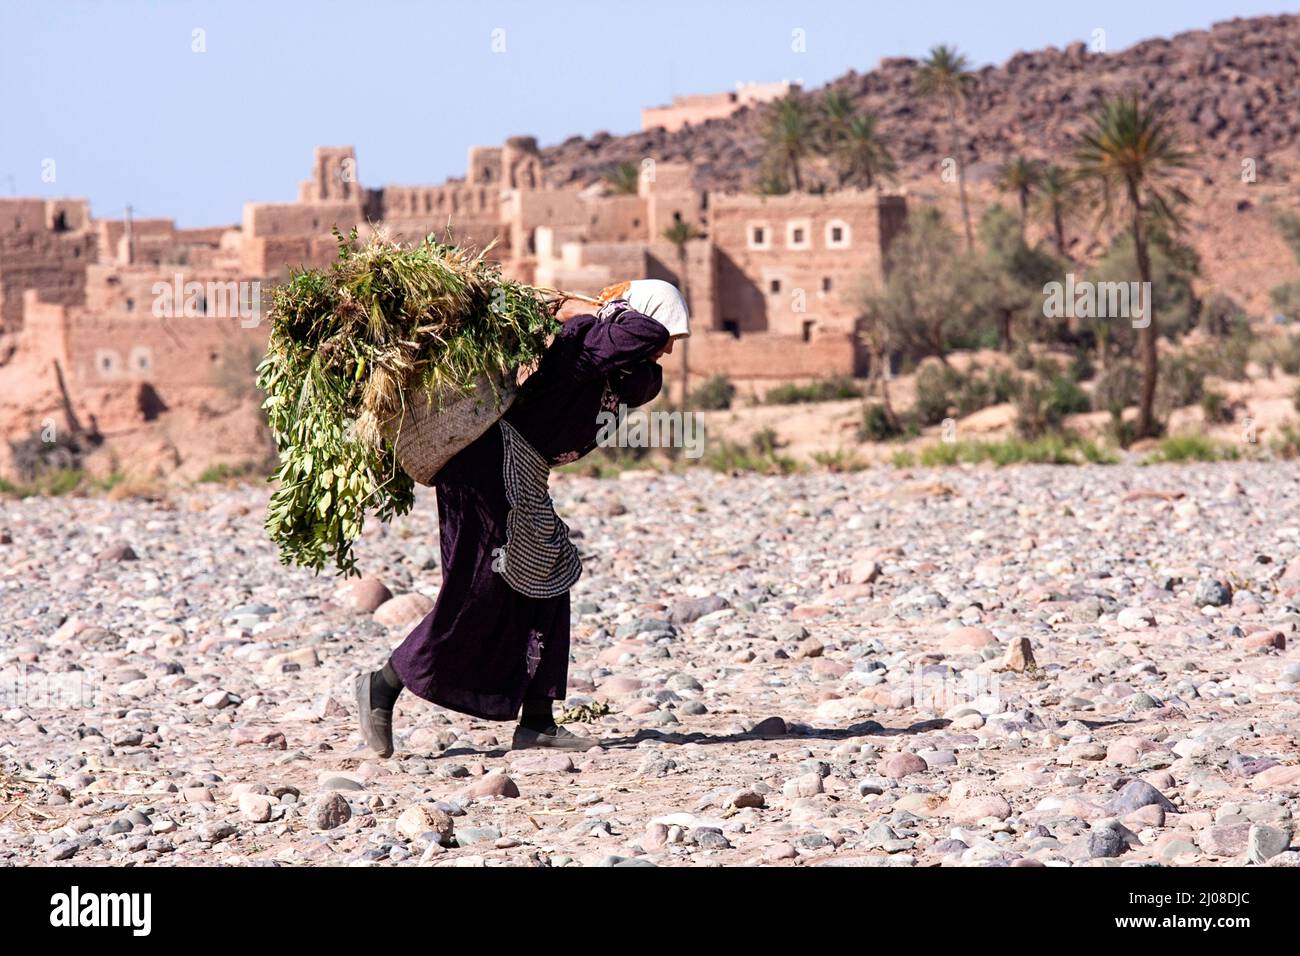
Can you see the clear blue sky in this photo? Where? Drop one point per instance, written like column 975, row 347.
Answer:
column 112, row 92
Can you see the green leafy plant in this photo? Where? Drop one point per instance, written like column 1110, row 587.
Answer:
column 1181, row 448
column 717, row 393
column 822, row 390
column 349, row 347
column 1056, row 448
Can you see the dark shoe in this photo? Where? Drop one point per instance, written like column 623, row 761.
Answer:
column 376, row 724
column 528, row 739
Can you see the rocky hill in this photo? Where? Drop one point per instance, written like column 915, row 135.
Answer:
column 1234, row 89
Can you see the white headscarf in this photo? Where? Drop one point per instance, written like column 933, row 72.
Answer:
column 662, row 302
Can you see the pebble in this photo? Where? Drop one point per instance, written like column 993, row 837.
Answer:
column 329, row 811
column 364, row 594
column 1265, row 842
column 421, row 820
column 989, row 681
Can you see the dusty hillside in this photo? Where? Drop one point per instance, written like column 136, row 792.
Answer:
column 1234, row 90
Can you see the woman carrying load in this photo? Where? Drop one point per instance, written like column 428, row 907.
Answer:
column 496, row 644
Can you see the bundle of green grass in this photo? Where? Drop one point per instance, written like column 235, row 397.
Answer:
column 352, row 347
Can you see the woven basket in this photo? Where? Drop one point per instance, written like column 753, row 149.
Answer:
column 429, row 436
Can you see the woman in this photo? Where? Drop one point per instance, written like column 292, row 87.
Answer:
column 496, row 644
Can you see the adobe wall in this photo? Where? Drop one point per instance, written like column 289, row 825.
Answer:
column 599, row 219
column 299, row 219
column 663, row 263
column 334, row 177
column 277, row 237
column 474, row 211
column 689, row 111
column 699, row 108
column 791, row 264
column 589, row 267
column 173, row 354
column 771, row 356
column 44, row 336
column 44, row 245
column 669, row 193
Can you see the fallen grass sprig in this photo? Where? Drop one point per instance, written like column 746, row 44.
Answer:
column 349, row 347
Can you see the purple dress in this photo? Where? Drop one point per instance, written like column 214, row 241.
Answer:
column 485, row 647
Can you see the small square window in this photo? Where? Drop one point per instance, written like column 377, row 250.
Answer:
column 759, row 235
column 774, row 286
column 826, row 283
column 838, row 234
column 797, row 234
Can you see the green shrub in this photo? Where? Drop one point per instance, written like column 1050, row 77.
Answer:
column 716, row 394
column 1183, row 448
column 1181, row 383
column 1286, row 299
column 1081, row 367
column 1282, row 352
column 1056, row 448
column 1217, row 409
column 936, row 392
column 1286, row 443
column 943, row 454
column 51, row 483
column 824, row 390
column 1116, row 388
column 242, row 471
column 759, row 454
column 942, row 391
column 839, row 461
column 1043, row 403
column 1227, row 359
column 876, row 424
column 1221, row 314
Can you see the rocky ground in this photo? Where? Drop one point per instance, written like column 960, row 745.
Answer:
column 1035, row 666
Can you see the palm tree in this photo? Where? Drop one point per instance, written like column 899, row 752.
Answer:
column 1132, row 155
column 679, row 234
column 1056, row 194
column 850, row 140
column 789, row 135
column 835, row 113
column 946, row 75
column 623, row 178
column 1020, row 176
column 865, row 157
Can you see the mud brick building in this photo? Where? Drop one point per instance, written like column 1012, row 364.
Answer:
column 770, row 280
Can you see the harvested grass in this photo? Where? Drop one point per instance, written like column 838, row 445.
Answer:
column 349, row 346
